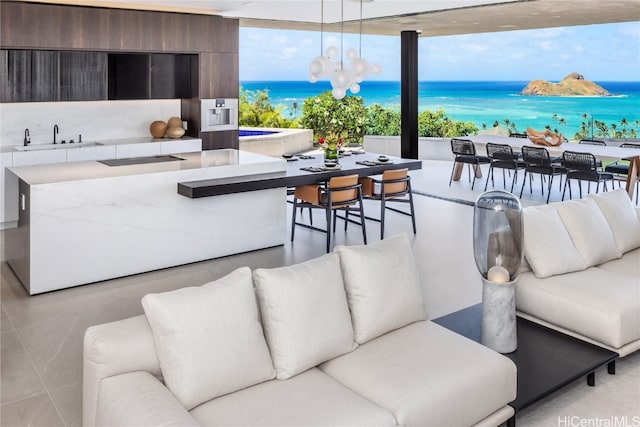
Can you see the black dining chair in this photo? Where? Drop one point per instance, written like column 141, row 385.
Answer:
column 502, row 156
column 538, row 161
column 341, row 193
column 598, row 142
column 583, row 167
column 465, row 153
column 393, row 187
column 620, row 168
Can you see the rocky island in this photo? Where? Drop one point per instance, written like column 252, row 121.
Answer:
column 572, row 85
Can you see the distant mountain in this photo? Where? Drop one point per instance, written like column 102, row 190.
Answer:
column 572, row 85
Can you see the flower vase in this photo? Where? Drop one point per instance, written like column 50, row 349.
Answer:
column 331, row 154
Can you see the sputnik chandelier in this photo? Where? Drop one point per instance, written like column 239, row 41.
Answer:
column 332, row 65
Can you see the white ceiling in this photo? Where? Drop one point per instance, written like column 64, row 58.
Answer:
column 390, row 17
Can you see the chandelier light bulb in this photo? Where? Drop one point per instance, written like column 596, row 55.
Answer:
column 355, row 88
column 338, row 93
column 313, row 78
column 376, row 69
column 316, row 67
column 328, row 67
column 351, row 54
column 332, row 52
column 341, row 79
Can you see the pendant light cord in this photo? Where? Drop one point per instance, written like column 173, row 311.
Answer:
column 360, row 40
column 341, row 34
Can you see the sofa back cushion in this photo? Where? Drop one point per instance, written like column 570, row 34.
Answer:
column 383, row 286
column 621, row 215
column 547, row 244
column 209, row 339
column 304, row 313
column 589, row 230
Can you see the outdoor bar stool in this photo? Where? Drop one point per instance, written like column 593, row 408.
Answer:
column 341, row 193
column 393, row 187
column 503, row 157
column 620, row 169
column 583, row 167
column 465, row 152
column 537, row 160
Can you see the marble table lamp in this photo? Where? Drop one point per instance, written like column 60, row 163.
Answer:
column 497, row 248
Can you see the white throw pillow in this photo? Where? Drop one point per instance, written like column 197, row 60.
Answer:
column 547, row 244
column 589, row 230
column 208, row 339
column 383, row 286
column 305, row 314
column 617, row 208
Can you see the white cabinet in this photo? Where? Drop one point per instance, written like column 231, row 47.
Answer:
column 124, row 151
column 91, row 153
column 39, row 157
column 181, row 146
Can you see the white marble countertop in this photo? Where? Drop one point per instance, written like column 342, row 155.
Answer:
column 94, row 143
column 205, row 160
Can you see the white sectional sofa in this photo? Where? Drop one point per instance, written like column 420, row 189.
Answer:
column 584, row 278
column 339, row 340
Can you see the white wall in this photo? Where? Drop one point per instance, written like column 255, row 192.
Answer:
column 95, row 120
column 428, row 148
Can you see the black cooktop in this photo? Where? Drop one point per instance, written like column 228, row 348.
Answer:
column 140, row 160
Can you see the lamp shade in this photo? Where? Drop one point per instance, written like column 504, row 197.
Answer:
column 497, row 236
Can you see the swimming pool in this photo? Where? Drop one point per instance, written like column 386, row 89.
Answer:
column 246, row 132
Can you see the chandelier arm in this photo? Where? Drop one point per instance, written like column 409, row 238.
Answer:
column 360, row 39
column 341, row 34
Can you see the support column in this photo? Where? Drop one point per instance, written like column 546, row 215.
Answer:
column 409, row 94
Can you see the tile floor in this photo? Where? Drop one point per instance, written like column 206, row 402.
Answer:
column 41, row 336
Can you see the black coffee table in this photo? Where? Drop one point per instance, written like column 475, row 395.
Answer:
column 546, row 359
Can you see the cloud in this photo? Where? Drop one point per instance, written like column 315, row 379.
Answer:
column 280, row 39
column 289, row 52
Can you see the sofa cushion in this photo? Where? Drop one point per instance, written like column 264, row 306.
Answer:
column 383, row 286
column 589, row 230
column 311, row 398
column 600, row 304
column 621, row 216
column 629, row 264
column 547, row 244
column 304, row 313
column 423, row 375
column 208, row 339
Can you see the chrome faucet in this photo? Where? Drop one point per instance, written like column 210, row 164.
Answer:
column 55, row 132
column 27, row 137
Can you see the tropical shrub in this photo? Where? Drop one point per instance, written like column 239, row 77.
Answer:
column 382, row 121
column 255, row 110
column 437, row 124
column 342, row 117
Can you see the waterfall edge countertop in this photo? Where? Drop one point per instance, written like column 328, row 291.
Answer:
column 214, row 160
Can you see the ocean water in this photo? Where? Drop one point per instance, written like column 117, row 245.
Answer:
column 480, row 102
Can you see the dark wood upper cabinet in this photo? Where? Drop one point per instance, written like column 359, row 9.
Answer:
column 128, row 76
column 83, row 76
column 29, row 76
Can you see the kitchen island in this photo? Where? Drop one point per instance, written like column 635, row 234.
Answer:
column 89, row 221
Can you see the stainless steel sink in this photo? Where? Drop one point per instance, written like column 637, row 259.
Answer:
column 38, row 147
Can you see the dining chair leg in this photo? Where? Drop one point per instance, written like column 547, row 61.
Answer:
column 383, row 209
column 549, row 188
column 504, row 180
column 489, row 175
column 566, row 181
column 524, row 181
column 412, row 210
column 335, row 219
column 362, row 218
column 453, row 169
column 328, row 216
column 293, row 218
column 346, row 218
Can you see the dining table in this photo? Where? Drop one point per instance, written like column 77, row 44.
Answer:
column 602, row 152
column 300, row 170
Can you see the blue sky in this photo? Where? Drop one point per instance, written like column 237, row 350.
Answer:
column 607, row 52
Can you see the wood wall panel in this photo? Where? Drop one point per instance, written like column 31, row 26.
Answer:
column 219, row 75
column 220, row 139
column 53, row 26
